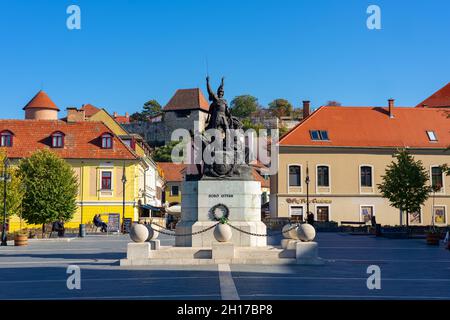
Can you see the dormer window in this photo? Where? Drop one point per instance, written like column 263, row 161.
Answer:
column 58, row 140
column 6, row 139
column 431, row 136
column 319, row 135
column 107, row 141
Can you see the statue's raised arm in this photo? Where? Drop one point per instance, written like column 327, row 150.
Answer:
column 212, row 95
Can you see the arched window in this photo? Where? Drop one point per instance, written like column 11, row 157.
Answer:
column 107, row 141
column 58, row 140
column 6, row 139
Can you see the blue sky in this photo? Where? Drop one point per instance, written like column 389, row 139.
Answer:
column 128, row 52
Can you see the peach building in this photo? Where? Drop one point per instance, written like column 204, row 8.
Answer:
column 345, row 152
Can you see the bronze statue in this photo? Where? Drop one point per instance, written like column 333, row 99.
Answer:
column 220, row 118
column 219, row 114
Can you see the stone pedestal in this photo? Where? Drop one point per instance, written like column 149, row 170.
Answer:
column 306, row 253
column 243, row 200
column 138, row 251
column 289, row 244
column 222, row 250
column 154, row 244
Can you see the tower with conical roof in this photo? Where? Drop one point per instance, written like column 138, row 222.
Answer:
column 41, row 107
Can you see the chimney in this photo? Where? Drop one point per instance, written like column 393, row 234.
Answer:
column 127, row 115
column 391, row 108
column 306, row 109
column 75, row 115
column 115, row 114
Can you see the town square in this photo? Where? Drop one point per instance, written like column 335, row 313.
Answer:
column 171, row 157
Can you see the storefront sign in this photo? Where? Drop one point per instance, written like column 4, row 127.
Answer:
column 299, row 201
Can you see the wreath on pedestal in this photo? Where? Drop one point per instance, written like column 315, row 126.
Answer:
column 219, row 208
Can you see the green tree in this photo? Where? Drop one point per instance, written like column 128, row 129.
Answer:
column 243, row 106
column 138, row 117
column 248, row 124
column 164, row 153
column 405, row 184
column 282, row 131
column 51, row 188
column 280, row 108
column 15, row 191
column 151, row 108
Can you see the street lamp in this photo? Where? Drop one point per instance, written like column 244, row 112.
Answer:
column 6, row 178
column 307, row 190
column 124, row 182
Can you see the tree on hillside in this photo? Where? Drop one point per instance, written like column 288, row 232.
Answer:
column 248, row 124
column 405, row 184
column 51, row 186
column 15, row 191
column 243, row 106
column 150, row 108
column 280, row 108
column 164, row 153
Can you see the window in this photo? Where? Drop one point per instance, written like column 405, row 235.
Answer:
column 431, row 136
column 319, row 135
column 57, row 140
column 415, row 217
column 296, row 213
column 323, row 213
column 366, row 213
column 174, row 191
column 366, row 176
column 439, row 214
column 323, row 176
column 6, row 139
column 436, row 178
column 107, row 141
column 294, row 176
column 106, row 180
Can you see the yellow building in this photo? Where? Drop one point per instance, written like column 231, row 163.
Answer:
column 149, row 194
column 174, row 176
column 345, row 151
column 98, row 156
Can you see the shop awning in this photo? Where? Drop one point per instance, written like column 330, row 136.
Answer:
column 150, row 207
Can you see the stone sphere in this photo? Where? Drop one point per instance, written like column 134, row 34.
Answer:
column 306, row 232
column 152, row 233
column 222, row 232
column 139, row 233
column 285, row 233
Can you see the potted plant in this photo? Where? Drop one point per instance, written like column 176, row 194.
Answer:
column 21, row 238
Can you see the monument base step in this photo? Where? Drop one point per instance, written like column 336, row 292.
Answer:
column 269, row 255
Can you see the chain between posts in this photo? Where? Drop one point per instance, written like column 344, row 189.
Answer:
column 183, row 234
column 213, row 226
column 264, row 234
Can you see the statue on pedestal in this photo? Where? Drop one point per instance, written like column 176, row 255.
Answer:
column 220, row 118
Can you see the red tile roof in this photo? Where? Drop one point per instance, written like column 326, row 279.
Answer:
column 122, row 119
column 172, row 172
column 187, row 99
column 265, row 183
column 439, row 99
column 41, row 100
column 372, row 127
column 82, row 139
column 89, row 110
